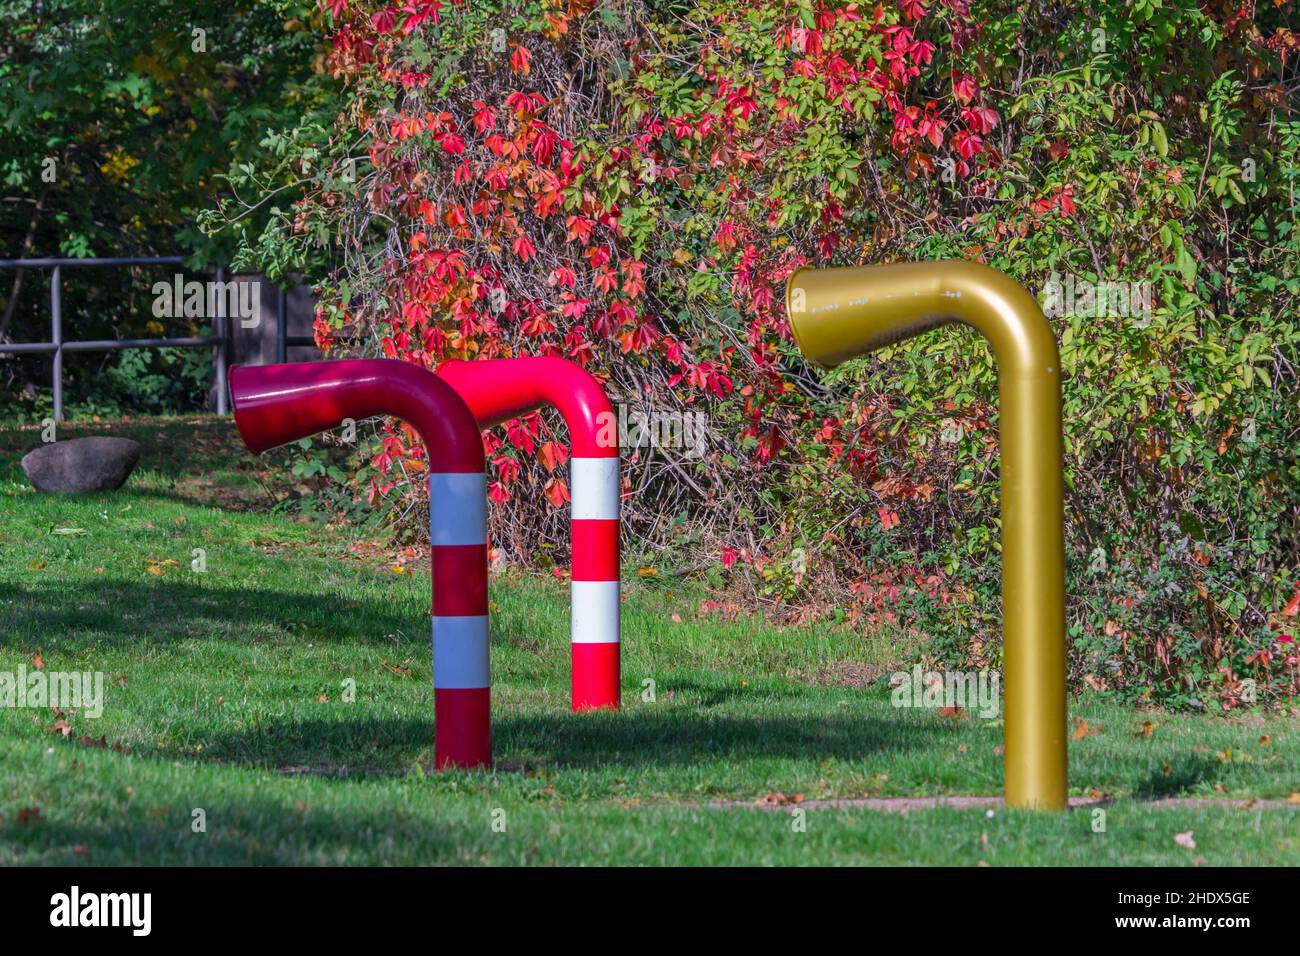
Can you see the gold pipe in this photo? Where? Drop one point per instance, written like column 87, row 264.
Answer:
column 836, row 314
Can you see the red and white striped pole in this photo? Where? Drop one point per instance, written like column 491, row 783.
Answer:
column 458, row 544
column 275, row 404
column 500, row 389
column 594, row 589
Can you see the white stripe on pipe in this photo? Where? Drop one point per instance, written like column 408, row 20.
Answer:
column 457, row 508
column 460, row 652
column 594, row 615
column 594, row 488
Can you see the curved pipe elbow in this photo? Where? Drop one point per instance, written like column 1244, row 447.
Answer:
column 837, row 314
column 497, row 390
column 276, row 404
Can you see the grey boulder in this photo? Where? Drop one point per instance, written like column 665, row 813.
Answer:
column 82, row 464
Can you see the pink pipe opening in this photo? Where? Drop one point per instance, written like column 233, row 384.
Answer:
column 500, row 389
column 275, row 404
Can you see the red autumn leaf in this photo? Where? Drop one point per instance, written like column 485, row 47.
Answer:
column 383, row 20
column 552, row 455
column 557, row 492
column 1293, row 606
column 485, row 117
column 563, row 277
column 523, row 248
column 520, row 60
column 964, row 87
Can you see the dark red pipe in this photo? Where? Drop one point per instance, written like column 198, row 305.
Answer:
column 275, row 404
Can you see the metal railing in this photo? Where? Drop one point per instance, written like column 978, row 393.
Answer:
column 219, row 341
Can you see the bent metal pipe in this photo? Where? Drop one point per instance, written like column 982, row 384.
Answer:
column 500, row 389
column 836, row 314
column 276, row 404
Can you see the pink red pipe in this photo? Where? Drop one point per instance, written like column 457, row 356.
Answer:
column 275, row 404
column 500, row 389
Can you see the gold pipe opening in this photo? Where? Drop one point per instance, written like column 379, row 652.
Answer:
column 837, row 314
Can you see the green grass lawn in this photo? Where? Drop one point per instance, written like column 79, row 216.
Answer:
column 225, row 695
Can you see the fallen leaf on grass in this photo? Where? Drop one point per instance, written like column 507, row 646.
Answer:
column 1145, row 729
column 159, row 568
column 396, row 669
column 953, row 714
column 1185, row 840
column 778, row 799
column 36, row 565
column 1084, row 729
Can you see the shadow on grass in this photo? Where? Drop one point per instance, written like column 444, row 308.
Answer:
column 243, row 832
column 579, row 741
column 170, row 611
column 1182, row 775
column 101, row 612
